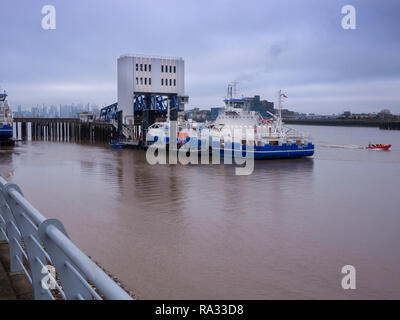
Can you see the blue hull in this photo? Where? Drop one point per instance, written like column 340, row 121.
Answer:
column 6, row 132
column 271, row 152
column 262, row 155
column 117, row 145
column 259, row 152
column 268, row 152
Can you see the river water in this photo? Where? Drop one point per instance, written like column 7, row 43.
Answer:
column 202, row 232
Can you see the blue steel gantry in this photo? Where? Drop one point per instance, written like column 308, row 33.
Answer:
column 158, row 103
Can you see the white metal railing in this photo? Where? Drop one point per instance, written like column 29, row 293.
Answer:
column 39, row 245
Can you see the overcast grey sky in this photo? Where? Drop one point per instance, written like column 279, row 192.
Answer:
column 298, row 46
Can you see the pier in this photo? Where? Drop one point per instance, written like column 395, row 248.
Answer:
column 64, row 129
column 74, row 130
column 392, row 125
column 40, row 249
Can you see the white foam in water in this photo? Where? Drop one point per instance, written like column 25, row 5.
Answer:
column 345, row 146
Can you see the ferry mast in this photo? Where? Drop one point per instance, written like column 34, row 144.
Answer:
column 279, row 118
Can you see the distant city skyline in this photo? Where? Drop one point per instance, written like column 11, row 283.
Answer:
column 299, row 46
column 73, row 110
column 53, row 111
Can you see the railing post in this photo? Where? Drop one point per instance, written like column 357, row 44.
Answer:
column 12, row 232
column 35, row 255
column 72, row 286
column 3, row 230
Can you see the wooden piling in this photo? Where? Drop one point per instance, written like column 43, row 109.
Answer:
column 23, row 130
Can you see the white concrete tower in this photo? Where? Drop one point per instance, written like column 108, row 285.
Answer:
column 141, row 75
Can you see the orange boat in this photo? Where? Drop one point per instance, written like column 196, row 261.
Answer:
column 378, row 146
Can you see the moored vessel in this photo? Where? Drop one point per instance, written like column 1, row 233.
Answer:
column 238, row 131
column 272, row 139
column 6, row 121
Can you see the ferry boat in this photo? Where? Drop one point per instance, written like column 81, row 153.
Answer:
column 272, row 139
column 6, row 121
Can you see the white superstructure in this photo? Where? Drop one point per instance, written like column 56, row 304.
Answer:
column 6, row 120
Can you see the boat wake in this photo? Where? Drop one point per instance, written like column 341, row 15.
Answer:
column 345, row 146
